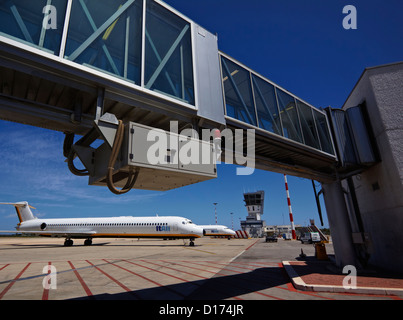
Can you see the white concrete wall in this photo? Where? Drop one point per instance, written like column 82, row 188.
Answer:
column 382, row 210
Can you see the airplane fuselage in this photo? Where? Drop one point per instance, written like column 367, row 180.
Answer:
column 112, row 227
column 217, row 231
column 127, row 227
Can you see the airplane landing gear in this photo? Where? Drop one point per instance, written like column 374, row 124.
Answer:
column 191, row 244
column 68, row 243
column 88, row 242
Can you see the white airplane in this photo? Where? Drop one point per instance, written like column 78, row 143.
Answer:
column 217, row 230
column 115, row 227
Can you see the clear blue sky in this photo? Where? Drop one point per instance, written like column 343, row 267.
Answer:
column 300, row 45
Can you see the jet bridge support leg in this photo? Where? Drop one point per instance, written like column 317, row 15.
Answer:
column 339, row 223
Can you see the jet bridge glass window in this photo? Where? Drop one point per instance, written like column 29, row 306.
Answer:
column 308, row 125
column 31, row 23
column 254, row 100
column 266, row 105
column 107, row 35
column 168, row 54
column 324, row 133
column 289, row 116
column 238, row 92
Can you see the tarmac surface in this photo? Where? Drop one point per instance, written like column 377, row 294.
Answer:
column 214, row 269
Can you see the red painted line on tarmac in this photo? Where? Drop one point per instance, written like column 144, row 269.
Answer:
column 192, row 274
column 256, row 269
column 252, row 245
column 393, row 297
column 257, row 263
column 267, row 295
column 83, row 284
column 166, row 274
column 114, row 280
column 196, row 275
column 14, row 281
column 45, row 294
column 4, row 266
column 235, row 266
column 226, row 275
column 145, row 278
column 136, row 274
column 291, row 288
column 195, row 267
column 236, row 298
column 251, row 264
column 231, row 270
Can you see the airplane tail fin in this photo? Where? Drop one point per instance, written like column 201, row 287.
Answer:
column 23, row 210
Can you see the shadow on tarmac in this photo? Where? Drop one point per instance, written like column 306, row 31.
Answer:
column 216, row 288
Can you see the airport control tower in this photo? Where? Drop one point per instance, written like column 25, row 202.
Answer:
column 253, row 224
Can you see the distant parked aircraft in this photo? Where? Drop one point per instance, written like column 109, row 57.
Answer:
column 217, row 230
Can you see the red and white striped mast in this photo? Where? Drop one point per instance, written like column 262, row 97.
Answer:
column 294, row 235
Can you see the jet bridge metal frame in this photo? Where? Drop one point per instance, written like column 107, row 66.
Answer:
column 146, row 63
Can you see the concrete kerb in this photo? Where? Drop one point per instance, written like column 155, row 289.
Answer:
column 300, row 284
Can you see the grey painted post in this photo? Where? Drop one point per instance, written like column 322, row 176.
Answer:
column 339, row 223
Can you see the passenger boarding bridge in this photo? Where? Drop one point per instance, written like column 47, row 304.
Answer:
column 125, row 71
column 66, row 63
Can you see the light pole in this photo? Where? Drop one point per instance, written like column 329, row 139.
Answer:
column 215, row 211
column 232, row 220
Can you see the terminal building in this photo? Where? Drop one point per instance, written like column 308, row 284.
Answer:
column 280, row 229
column 254, row 203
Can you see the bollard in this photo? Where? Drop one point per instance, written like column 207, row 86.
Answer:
column 320, row 251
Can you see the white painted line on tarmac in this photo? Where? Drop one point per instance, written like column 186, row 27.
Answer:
column 238, row 255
